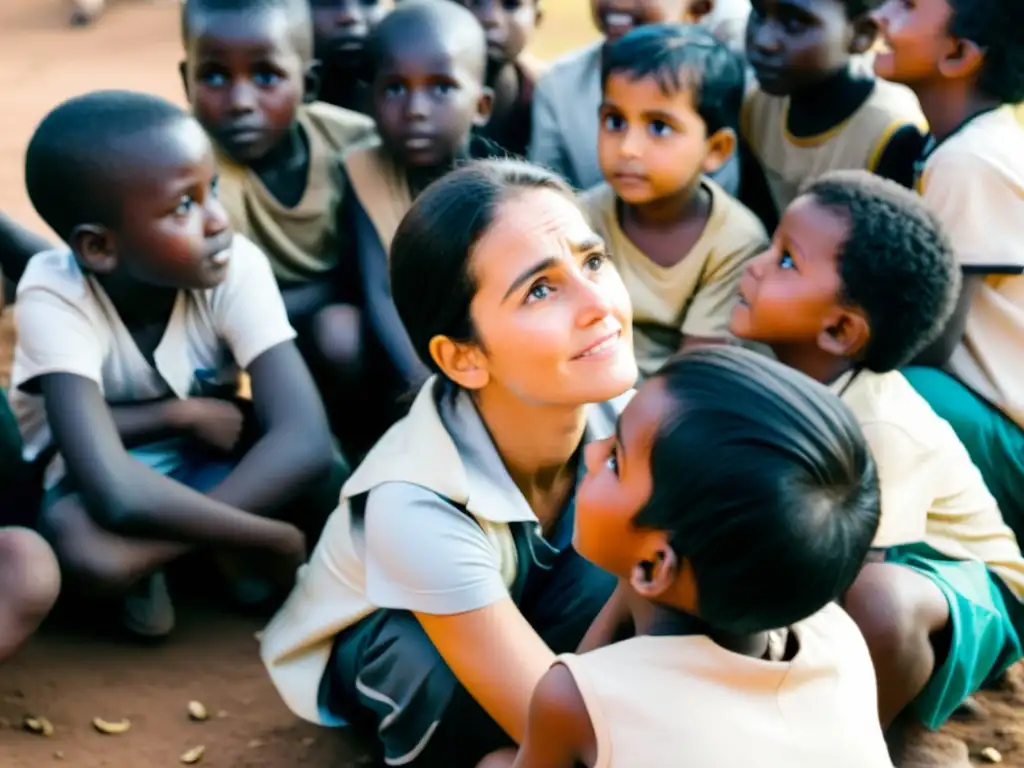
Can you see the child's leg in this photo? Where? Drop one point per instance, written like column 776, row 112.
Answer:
column 29, row 585
column 898, row 611
column 938, row 629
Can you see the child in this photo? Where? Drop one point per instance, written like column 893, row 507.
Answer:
column 29, row 585
column 738, row 497
column 429, row 58
column 672, row 96
column 341, row 29
column 817, row 107
column 129, row 343
column 568, row 96
column 965, row 62
column 511, row 72
column 247, row 77
column 859, row 278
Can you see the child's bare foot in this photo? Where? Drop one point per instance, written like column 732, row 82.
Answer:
column 147, row 611
column 920, row 748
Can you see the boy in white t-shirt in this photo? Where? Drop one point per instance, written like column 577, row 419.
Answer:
column 129, row 349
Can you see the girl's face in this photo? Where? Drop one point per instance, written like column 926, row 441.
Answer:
column 618, row 485
column 552, row 316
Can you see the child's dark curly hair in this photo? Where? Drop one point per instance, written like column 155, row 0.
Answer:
column 897, row 264
column 997, row 27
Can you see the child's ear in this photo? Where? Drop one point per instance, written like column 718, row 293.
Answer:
column 183, row 71
column 964, row 60
column 865, row 32
column 311, row 81
column 697, row 10
column 94, row 248
column 846, row 334
column 720, row 146
column 463, row 363
column 484, row 105
column 657, row 571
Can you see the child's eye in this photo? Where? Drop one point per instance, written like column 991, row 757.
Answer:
column 184, row 205
column 614, row 123
column 612, row 462
column 266, row 79
column 393, row 90
column 213, row 79
column 660, row 129
column 538, row 292
column 786, row 261
column 443, row 89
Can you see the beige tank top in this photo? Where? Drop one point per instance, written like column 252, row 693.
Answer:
column 663, row 702
column 855, row 144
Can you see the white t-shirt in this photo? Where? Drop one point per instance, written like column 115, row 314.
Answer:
column 67, row 324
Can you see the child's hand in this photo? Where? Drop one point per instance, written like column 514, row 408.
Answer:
column 215, row 423
column 291, row 549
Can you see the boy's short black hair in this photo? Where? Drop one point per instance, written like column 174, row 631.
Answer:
column 299, row 11
column 76, row 156
column 858, row 8
column 897, row 264
column 765, row 483
column 681, row 56
column 455, row 19
column 996, row 26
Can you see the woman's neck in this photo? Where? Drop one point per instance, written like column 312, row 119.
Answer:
column 947, row 108
column 537, row 443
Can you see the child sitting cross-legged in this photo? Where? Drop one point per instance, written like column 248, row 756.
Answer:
column 859, row 278
column 130, row 344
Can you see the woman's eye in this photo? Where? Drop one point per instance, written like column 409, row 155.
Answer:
column 660, row 129
column 786, row 261
column 215, row 187
column 595, row 262
column 539, row 292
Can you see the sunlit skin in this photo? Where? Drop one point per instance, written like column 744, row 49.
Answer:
column 913, row 40
column 246, row 79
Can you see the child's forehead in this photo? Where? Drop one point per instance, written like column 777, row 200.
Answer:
column 270, row 31
column 651, row 92
column 816, row 231
column 431, row 53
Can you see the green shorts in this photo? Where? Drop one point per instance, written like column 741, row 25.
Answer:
column 986, row 623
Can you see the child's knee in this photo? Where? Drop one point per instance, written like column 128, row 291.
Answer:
column 337, row 333
column 29, row 574
column 503, row 758
column 897, row 610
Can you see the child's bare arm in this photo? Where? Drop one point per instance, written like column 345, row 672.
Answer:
column 380, row 307
column 199, row 417
column 303, row 301
column 559, row 733
column 127, row 497
column 295, row 449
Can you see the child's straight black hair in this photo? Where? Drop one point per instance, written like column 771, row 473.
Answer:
column 682, row 56
column 765, row 484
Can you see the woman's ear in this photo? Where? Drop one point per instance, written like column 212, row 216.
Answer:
column 94, row 247
column 462, row 362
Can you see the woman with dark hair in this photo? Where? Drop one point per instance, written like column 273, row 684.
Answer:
column 445, row 583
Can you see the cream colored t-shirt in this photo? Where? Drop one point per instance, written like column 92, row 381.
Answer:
column 857, row 143
column 974, row 181
column 67, row 324
column 693, row 297
column 686, row 701
column 931, row 490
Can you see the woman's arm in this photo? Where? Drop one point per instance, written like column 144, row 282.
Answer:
column 496, row 655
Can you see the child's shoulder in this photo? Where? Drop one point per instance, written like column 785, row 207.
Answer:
column 887, row 402
column 342, row 128
column 995, row 139
column 55, row 272
column 894, row 101
column 735, row 226
column 572, row 64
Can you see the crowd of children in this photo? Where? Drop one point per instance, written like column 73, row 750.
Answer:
column 833, row 184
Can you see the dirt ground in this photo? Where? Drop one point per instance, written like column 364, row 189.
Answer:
column 72, row 675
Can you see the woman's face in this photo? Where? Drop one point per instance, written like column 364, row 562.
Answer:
column 552, row 315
